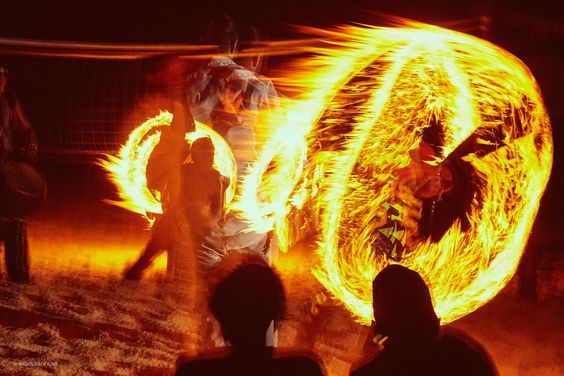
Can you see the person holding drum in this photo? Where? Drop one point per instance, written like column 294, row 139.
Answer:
column 21, row 186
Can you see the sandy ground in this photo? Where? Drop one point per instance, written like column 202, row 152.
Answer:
column 78, row 319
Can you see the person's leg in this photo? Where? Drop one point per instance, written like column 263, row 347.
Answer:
column 152, row 250
column 174, row 266
column 3, row 228
column 271, row 253
column 195, row 283
column 187, row 251
column 16, row 247
column 161, row 236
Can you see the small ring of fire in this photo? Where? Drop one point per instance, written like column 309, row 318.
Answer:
column 128, row 169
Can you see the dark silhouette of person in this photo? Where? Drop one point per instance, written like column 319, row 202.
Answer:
column 244, row 303
column 21, row 186
column 167, row 86
column 195, row 209
column 415, row 344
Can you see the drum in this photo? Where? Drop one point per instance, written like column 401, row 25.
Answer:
column 22, row 188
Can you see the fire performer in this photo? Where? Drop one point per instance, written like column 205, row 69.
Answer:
column 429, row 197
column 163, row 169
column 411, row 215
column 169, row 86
column 194, row 210
column 21, row 186
column 229, row 97
column 202, row 195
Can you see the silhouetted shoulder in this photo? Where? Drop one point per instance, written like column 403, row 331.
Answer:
column 463, row 353
column 204, row 367
column 205, row 364
column 210, row 366
column 385, row 365
column 297, row 362
column 227, row 366
column 454, row 353
column 296, row 366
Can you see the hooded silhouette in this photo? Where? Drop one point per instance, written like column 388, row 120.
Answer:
column 415, row 345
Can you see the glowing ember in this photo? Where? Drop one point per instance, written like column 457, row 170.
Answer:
column 128, row 169
column 367, row 102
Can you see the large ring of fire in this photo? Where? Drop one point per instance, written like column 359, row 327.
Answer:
column 128, row 169
column 368, row 101
column 369, row 98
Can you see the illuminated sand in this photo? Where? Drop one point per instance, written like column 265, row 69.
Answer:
column 78, row 315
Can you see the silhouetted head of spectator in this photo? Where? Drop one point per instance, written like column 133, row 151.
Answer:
column 3, row 79
column 246, row 301
column 403, row 308
column 251, row 48
column 221, row 30
column 202, row 152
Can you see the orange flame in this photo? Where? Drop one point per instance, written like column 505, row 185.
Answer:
column 367, row 100
column 128, row 169
column 268, row 186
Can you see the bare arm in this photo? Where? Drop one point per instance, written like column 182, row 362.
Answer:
column 25, row 136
